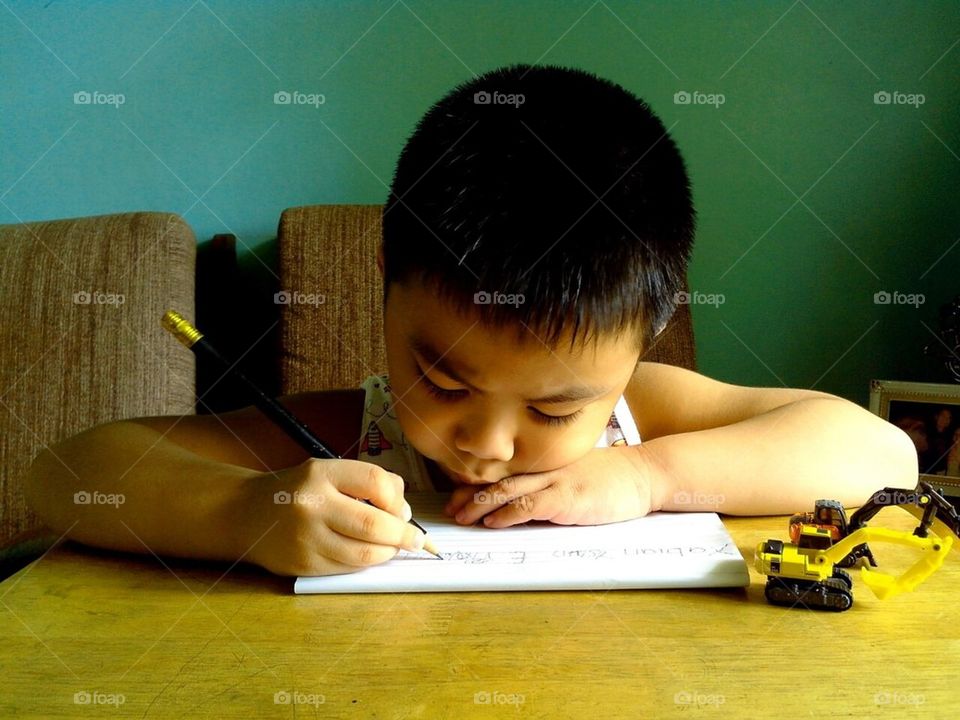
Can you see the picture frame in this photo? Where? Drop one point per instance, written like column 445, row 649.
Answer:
column 930, row 414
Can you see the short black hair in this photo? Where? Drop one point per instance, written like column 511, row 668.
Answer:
column 497, row 191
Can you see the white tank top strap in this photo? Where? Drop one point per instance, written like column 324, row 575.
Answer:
column 621, row 428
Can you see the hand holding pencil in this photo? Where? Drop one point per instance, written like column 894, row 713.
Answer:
column 324, row 488
column 310, row 523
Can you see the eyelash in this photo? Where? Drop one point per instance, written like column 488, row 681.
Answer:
column 451, row 395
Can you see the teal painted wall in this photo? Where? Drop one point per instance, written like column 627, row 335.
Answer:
column 198, row 133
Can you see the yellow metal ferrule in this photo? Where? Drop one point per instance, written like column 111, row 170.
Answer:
column 181, row 328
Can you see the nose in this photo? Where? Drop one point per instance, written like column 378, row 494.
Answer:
column 486, row 437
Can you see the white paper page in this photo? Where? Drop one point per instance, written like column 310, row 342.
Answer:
column 661, row 550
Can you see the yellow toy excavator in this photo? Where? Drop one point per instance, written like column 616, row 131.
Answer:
column 807, row 570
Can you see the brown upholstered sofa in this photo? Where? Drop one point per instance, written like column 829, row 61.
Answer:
column 81, row 342
column 80, row 337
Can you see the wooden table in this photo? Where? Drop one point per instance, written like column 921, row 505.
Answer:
column 195, row 640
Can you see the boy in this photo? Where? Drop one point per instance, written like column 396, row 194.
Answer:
column 534, row 242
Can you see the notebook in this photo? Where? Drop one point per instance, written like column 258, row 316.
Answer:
column 661, row 550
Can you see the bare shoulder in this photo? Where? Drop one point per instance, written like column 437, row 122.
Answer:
column 248, row 438
column 665, row 400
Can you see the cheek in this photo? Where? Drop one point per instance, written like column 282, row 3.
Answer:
column 549, row 449
column 422, row 420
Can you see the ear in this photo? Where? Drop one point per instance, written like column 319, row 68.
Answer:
column 380, row 259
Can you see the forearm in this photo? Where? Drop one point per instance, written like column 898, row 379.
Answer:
column 781, row 461
column 122, row 486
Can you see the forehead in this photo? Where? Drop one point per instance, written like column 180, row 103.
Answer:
column 431, row 299
column 443, row 334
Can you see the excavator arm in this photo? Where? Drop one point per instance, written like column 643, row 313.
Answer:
column 924, row 502
column 933, row 550
column 934, row 535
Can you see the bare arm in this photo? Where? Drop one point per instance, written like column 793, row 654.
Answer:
column 210, row 487
column 753, row 451
column 781, row 460
column 123, row 486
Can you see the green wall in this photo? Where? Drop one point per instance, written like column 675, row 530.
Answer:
column 878, row 182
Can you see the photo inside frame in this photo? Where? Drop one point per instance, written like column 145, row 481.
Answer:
column 934, row 428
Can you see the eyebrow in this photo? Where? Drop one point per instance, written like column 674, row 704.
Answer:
column 450, row 369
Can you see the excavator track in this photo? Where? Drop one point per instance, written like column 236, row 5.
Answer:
column 831, row 594
column 844, row 577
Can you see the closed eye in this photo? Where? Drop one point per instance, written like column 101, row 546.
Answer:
column 448, row 395
column 439, row 392
column 555, row 419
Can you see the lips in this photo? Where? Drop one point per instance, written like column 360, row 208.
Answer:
column 465, row 479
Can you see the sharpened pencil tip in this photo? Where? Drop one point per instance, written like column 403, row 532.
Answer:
column 431, row 548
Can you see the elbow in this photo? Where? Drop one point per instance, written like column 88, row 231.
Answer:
column 37, row 489
column 900, row 458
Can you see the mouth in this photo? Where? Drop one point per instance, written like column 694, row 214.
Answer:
column 464, row 479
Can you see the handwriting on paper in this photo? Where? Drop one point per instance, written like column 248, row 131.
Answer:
column 519, row 557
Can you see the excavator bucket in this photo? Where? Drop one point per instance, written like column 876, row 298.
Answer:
column 934, row 551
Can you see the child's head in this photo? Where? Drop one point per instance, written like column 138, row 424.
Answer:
column 538, row 231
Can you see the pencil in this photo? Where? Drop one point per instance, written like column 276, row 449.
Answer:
column 194, row 339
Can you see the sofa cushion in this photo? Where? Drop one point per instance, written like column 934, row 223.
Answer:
column 330, row 252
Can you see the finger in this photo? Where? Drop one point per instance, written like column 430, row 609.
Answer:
column 371, row 482
column 460, row 496
column 499, row 494
column 355, row 519
column 350, row 553
column 543, row 505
